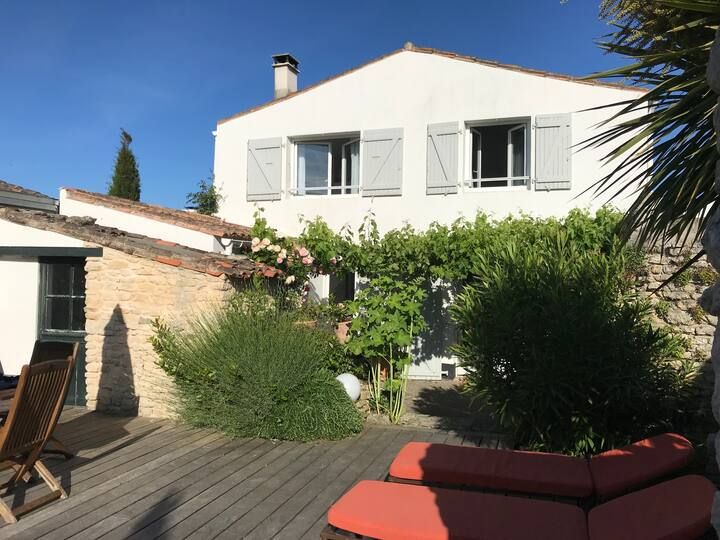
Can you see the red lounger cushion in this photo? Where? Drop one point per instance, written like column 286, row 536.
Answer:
column 678, row 509
column 616, row 471
column 399, row 511
column 512, row 470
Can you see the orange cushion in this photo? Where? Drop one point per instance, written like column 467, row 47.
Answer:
column 616, row 471
column 400, row 511
column 512, row 470
column 678, row 509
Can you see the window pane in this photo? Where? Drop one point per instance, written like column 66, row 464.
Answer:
column 58, row 314
column 494, row 152
column 78, row 314
column 59, row 278
column 517, row 139
column 78, row 280
column 313, row 168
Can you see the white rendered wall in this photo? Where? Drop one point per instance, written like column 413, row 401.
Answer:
column 19, row 292
column 110, row 217
column 411, row 90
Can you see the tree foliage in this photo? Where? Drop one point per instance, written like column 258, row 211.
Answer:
column 662, row 143
column 206, row 200
column 126, row 177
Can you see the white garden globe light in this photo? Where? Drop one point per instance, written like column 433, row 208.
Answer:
column 351, row 384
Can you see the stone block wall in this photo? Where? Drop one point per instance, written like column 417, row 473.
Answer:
column 124, row 294
column 676, row 305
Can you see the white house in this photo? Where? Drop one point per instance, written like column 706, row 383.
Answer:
column 416, row 136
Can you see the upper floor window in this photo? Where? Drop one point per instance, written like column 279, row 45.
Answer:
column 328, row 166
column 499, row 155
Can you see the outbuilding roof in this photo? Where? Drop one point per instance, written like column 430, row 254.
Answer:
column 409, row 47
column 211, row 225
column 18, row 196
column 161, row 251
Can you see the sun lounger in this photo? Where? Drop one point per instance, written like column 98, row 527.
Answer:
column 676, row 509
column 602, row 476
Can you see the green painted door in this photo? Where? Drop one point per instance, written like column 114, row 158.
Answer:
column 62, row 313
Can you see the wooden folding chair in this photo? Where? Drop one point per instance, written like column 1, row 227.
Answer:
column 33, row 415
column 46, row 351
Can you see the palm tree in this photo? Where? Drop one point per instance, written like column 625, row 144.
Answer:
column 662, row 145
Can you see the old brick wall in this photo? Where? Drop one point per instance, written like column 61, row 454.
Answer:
column 124, row 294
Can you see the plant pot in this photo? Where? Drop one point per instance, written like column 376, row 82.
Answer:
column 342, row 331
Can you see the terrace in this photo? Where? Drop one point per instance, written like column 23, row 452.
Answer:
column 147, row 478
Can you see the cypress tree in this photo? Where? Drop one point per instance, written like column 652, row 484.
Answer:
column 126, row 177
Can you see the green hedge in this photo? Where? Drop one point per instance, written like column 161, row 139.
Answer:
column 559, row 349
column 251, row 370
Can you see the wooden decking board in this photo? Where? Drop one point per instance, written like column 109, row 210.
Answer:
column 124, row 480
column 259, row 476
column 377, row 470
column 183, row 517
column 237, row 520
column 140, row 478
column 144, row 511
column 51, row 525
column 347, row 451
column 114, row 509
column 317, row 507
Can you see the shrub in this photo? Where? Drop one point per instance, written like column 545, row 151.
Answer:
column 662, row 309
column 559, row 351
column 253, row 373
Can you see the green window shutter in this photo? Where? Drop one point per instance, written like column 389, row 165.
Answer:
column 553, row 152
column 264, row 169
column 382, row 160
column 442, row 158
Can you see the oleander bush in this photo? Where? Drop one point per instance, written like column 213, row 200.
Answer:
column 251, row 370
column 559, row 348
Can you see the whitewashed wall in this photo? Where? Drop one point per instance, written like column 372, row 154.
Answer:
column 411, row 90
column 19, row 289
column 110, row 217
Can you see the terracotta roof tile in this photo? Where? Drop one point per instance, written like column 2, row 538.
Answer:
column 189, row 220
column 14, row 188
column 83, row 228
column 447, row 54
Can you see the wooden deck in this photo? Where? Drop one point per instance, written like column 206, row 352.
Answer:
column 142, row 478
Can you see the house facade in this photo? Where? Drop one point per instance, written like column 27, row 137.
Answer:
column 414, row 137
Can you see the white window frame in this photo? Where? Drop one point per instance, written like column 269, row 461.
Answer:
column 472, row 127
column 302, row 189
column 343, row 172
column 295, row 189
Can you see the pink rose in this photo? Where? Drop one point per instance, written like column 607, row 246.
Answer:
column 333, row 260
column 303, row 252
column 279, row 260
column 307, row 261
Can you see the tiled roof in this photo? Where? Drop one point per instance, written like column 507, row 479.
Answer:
column 448, row 54
column 14, row 188
column 161, row 251
column 189, row 220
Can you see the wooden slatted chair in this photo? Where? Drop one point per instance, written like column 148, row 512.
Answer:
column 46, row 351
column 33, row 415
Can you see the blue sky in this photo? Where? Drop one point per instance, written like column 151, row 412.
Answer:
column 73, row 73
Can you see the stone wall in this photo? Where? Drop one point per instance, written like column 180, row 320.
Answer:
column 124, row 294
column 676, row 305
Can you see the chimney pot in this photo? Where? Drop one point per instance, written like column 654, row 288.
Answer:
column 285, row 68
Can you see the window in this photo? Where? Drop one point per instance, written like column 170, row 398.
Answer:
column 498, row 155
column 328, row 166
column 63, row 295
column 342, row 287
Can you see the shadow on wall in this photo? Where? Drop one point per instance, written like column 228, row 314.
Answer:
column 116, row 392
column 440, row 334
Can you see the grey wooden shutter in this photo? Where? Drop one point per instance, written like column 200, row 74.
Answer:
column 264, row 169
column 442, row 158
column 553, row 152
column 382, row 159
